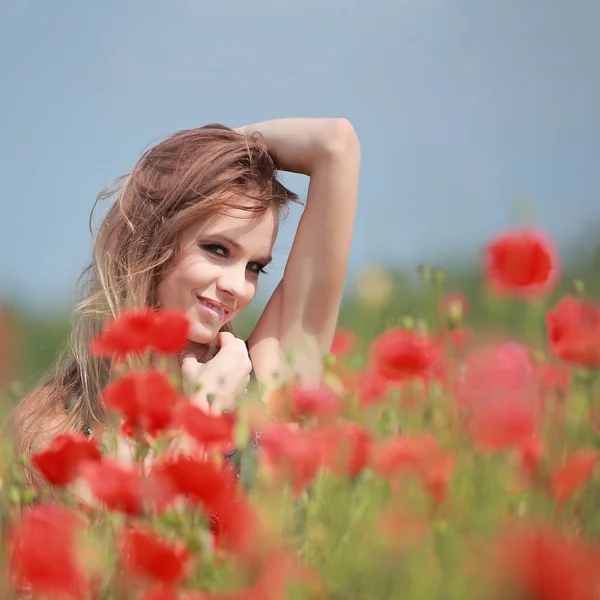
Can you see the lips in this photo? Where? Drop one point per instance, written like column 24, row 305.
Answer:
column 220, row 311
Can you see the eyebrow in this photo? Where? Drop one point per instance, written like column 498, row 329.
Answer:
column 265, row 260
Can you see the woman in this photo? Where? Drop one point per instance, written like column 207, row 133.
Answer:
column 191, row 229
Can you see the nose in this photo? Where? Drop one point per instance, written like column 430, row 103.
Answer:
column 233, row 282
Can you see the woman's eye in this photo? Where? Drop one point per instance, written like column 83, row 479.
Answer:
column 256, row 268
column 216, row 249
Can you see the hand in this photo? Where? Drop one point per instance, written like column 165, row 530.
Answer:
column 222, row 379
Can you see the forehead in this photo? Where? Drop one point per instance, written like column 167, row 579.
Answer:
column 255, row 233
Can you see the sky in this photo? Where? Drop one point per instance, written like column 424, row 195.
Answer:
column 465, row 111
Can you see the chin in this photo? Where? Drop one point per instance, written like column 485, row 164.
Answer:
column 201, row 334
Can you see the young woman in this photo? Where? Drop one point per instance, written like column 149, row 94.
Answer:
column 192, row 229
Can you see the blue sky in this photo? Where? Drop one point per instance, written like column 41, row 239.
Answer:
column 463, row 110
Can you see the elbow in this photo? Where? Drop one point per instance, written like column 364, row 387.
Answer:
column 341, row 138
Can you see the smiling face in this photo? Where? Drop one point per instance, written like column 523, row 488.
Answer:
column 216, row 273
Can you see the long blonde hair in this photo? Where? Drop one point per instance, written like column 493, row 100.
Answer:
column 190, row 176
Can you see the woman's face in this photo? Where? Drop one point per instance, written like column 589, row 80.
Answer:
column 217, row 271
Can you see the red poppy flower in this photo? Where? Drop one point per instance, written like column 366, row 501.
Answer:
column 506, row 364
column 504, row 426
column 531, row 453
column 43, row 557
column 552, row 377
column 214, row 488
column 290, row 456
column 460, row 338
column 205, row 428
column 60, row 462
column 344, row 448
column 521, row 262
column 146, row 555
column 169, row 332
column 419, row 455
column 344, row 341
column 497, row 396
column 574, row 331
column 372, row 388
column 119, row 488
column 436, row 473
column 398, row 354
column 314, row 401
column 403, row 453
column 547, row 566
column 145, row 399
column 136, row 331
column 573, row 474
column 127, row 333
column 235, row 526
column 200, row 480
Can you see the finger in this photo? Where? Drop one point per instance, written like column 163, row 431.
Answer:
column 187, row 355
column 189, row 373
column 225, row 337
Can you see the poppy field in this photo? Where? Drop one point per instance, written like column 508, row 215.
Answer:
column 439, row 459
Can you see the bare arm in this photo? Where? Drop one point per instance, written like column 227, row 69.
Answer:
column 295, row 331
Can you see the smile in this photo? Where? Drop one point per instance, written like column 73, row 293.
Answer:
column 216, row 310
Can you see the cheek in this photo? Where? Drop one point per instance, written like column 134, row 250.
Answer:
column 166, row 293
column 189, row 275
column 195, row 273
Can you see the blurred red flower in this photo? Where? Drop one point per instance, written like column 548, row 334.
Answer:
column 169, row 332
column 398, row 354
column 419, row 455
column 552, row 377
column 118, row 487
column 314, row 401
column 547, row 566
column 59, row 463
column 504, row 426
column 43, row 553
column 136, row 331
column 372, row 388
column 146, row 555
column 497, row 397
column 574, row 331
column 531, row 452
column 574, row 474
column 402, row 453
column 344, row 341
column 145, row 399
column 344, row 448
column 290, row 455
column 214, row 488
column 523, row 262
column 460, row 338
column 205, row 428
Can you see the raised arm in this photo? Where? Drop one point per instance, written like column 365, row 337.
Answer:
column 295, row 330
